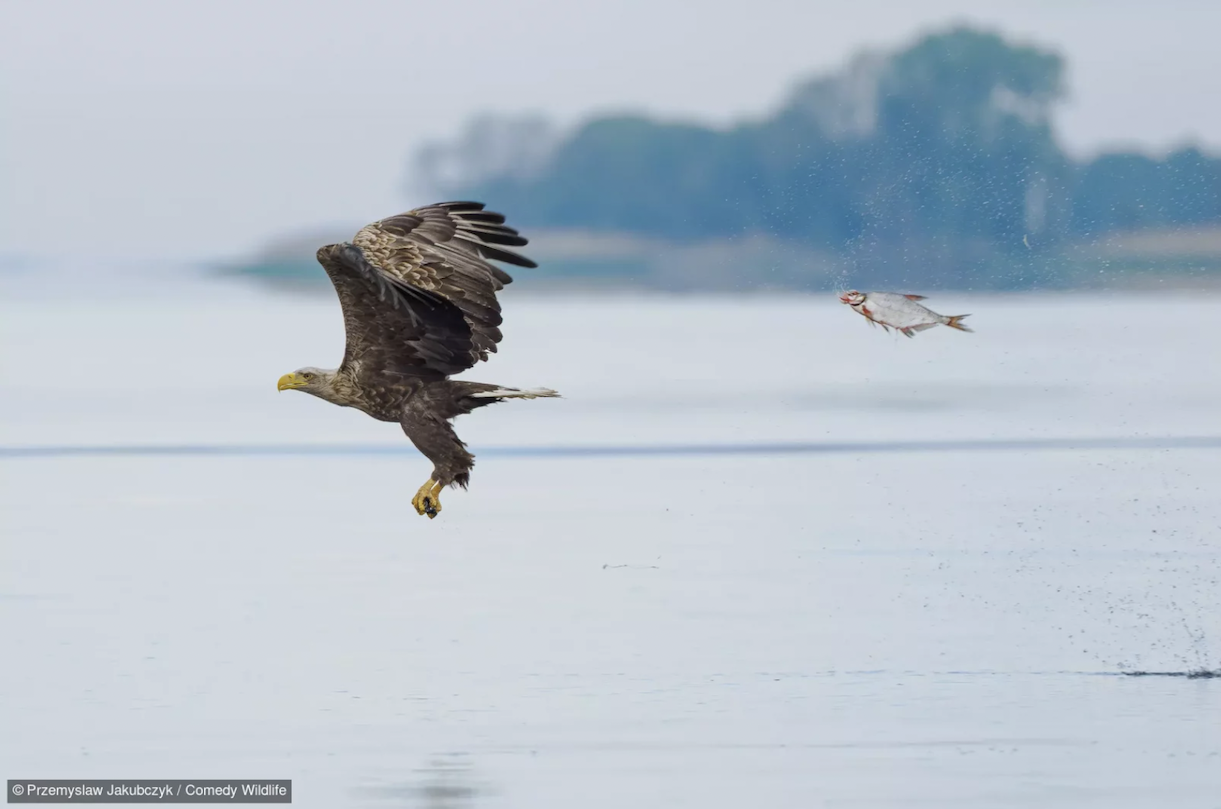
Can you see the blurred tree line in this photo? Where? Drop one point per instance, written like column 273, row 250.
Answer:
column 944, row 150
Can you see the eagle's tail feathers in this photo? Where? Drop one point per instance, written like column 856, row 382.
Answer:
column 514, row 393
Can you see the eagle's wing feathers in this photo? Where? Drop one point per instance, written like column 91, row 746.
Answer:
column 418, row 291
column 394, row 328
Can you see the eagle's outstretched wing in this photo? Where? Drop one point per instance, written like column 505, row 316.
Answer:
column 418, row 291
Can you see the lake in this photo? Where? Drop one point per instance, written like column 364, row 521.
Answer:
column 759, row 555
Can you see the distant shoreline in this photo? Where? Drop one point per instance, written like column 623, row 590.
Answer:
column 583, row 261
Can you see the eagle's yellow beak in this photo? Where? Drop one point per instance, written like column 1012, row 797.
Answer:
column 290, row 381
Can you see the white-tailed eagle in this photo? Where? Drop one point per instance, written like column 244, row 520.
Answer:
column 418, row 293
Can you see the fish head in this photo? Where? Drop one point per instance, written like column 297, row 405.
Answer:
column 852, row 297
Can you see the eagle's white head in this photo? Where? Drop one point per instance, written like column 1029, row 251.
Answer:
column 316, row 381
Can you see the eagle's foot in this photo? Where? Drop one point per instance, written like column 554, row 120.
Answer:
column 427, row 500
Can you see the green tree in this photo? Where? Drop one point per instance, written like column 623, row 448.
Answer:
column 1132, row 191
column 942, row 152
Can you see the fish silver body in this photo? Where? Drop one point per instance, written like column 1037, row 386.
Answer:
column 893, row 310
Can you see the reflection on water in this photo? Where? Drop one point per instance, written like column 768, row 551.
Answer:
column 447, row 782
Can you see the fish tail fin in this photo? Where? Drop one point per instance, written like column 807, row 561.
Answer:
column 955, row 322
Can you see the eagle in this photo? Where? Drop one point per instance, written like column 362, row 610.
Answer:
column 418, row 294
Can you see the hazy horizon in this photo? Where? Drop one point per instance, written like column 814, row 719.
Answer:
column 204, row 131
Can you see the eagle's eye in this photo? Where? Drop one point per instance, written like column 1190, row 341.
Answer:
column 307, row 376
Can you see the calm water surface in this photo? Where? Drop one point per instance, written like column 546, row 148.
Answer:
column 943, row 627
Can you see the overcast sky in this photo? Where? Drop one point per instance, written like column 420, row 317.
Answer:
column 184, row 128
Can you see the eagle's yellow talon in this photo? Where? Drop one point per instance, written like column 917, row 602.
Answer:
column 427, row 500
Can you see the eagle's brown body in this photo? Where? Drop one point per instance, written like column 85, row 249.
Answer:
column 418, row 295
